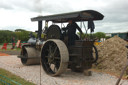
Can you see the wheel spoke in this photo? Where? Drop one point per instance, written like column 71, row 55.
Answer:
column 50, row 49
column 57, row 58
column 46, row 66
column 55, row 51
column 50, row 65
column 46, row 56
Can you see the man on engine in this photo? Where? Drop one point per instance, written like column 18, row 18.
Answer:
column 71, row 27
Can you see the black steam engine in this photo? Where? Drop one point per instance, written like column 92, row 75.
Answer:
column 53, row 50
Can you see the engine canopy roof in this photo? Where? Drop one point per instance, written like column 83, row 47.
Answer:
column 85, row 15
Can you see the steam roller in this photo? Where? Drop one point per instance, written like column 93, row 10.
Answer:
column 52, row 50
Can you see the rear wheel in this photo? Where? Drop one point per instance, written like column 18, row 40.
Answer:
column 54, row 57
column 94, row 54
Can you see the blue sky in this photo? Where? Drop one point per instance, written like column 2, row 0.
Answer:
column 16, row 14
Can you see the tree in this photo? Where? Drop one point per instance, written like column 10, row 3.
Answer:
column 19, row 30
column 6, row 36
column 107, row 37
column 23, row 35
column 99, row 35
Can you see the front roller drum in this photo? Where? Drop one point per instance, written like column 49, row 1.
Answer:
column 29, row 56
column 54, row 57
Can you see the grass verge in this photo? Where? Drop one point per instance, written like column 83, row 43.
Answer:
column 14, row 78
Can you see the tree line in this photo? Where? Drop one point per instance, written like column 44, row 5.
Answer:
column 7, row 35
column 23, row 35
column 97, row 36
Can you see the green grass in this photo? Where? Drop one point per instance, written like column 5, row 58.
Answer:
column 13, row 78
column 10, row 50
column 15, row 49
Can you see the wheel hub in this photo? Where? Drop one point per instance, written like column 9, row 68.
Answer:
column 51, row 59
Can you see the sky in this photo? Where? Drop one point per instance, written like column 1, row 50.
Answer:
column 16, row 14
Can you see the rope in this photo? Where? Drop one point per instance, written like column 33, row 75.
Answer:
column 2, row 81
column 9, row 80
column 40, row 72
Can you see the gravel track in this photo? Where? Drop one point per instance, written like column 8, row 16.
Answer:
column 32, row 73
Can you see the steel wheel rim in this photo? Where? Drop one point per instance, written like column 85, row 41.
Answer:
column 24, row 60
column 54, row 61
column 94, row 54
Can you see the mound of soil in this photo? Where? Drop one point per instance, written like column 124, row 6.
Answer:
column 112, row 54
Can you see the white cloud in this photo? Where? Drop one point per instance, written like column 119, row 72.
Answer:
column 17, row 13
column 9, row 18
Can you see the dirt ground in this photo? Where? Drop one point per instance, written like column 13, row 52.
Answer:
column 36, row 74
column 9, row 52
column 3, row 54
column 112, row 58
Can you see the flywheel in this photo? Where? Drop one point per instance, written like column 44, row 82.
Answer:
column 54, row 57
column 53, row 32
